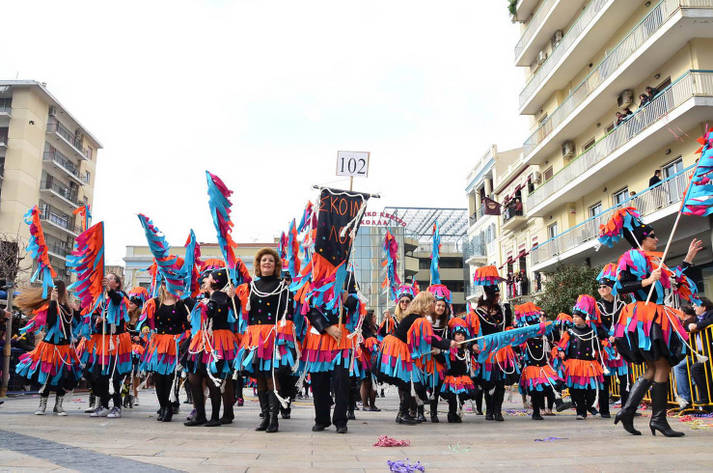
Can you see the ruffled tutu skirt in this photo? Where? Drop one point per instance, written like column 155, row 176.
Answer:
column 215, row 351
column 161, row 354
column 107, row 355
column 261, row 345
column 583, row 374
column 538, row 378
column 322, row 353
column 56, row 366
column 393, row 363
column 647, row 332
column 615, row 363
column 461, row 385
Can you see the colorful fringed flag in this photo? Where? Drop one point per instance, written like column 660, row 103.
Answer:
column 391, row 254
column 219, row 204
column 87, row 261
column 509, row 338
column 624, row 219
column 153, row 272
column 85, row 214
column 307, row 218
column 169, row 266
column 37, row 247
column 283, row 249
column 191, row 266
column 699, row 194
column 293, row 251
column 436, row 255
column 487, row 276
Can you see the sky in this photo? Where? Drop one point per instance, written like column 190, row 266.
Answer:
column 264, row 93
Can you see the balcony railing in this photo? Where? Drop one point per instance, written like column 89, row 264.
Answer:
column 473, row 247
column 538, row 18
column 62, row 161
column 562, row 49
column 58, row 218
column 63, row 191
column 57, row 247
column 605, row 69
column 510, row 212
column 53, row 126
column 690, row 84
column 668, row 192
column 5, row 110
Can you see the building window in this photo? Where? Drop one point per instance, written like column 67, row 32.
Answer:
column 620, row 196
column 552, row 230
column 87, row 177
column 424, row 263
column 547, row 175
column 588, row 144
column 672, row 168
column 595, row 209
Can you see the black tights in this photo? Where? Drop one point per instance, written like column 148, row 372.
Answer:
column 583, row 399
column 46, row 392
column 494, row 401
column 163, row 384
column 196, row 381
column 100, row 387
column 538, row 402
column 550, row 397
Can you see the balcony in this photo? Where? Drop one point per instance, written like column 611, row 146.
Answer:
column 653, row 204
column 663, row 32
column 57, row 248
column 5, row 111
column 62, row 193
column 58, row 219
column 66, row 137
column 474, row 251
column 513, row 219
column 550, row 16
column 524, row 9
column 64, row 164
column 681, row 105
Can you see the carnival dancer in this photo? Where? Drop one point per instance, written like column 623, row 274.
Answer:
column 413, row 339
column 610, row 306
column 366, row 353
column 107, row 358
column 212, row 351
column 137, row 297
column 53, row 363
column 168, row 321
column 389, row 321
column 649, row 333
column 580, row 350
column 457, row 385
column 268, row 344
column 436, row 369
column 537, row 379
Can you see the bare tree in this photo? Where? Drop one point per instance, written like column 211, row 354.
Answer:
column 13, row 263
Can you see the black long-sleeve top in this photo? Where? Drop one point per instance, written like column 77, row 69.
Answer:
column 631, row 284
column 64, row 335
column 265, row 310
column 322, row 320
column 610, row 311
column 401, row 332
column 493, row 319
column 459, row 367
column 116, row 298
column 583, row 349
column 218, row 310
column 172, row 319
column 535, row 352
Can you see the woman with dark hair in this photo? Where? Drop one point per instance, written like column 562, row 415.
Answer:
column 107, row 357
column 212, row 351
column 53, row 363
column 268, row 344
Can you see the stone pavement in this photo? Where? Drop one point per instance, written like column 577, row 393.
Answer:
column 138, row 443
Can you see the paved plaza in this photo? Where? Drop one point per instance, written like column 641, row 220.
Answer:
column 138, row 443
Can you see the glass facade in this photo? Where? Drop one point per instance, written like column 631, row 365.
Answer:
column 367, row 258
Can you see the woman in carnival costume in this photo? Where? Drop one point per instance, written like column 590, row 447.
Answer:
column 212, row 351
column 107, row 358
column 610, row 306
column 457, row 385
column 500, row 368
column 412, row 340
column 268, row 343
column 537, row 379
column 137, row 298
column 167, row 320
column 366, row 353
column 435, row 369
column 649, row 333
column 580, row 350
column 53, row 363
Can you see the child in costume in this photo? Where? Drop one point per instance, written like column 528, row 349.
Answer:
column 436, row 370
column 457, row 386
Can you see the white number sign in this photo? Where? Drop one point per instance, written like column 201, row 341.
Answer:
column 353, row 163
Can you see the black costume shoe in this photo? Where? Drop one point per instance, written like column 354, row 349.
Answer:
column 537, row 416
column 195, row 422
column 499, row 417
column 213, row 423
column 659, row 403
column 605, row 415
column 161, row 414
column 285, row 412
column 593, row 410
column 626, row 414
column 274, row 410
column 176, row 407
column 453, row 418
column 350, row 414
column 264, row 412
column 319, row 427
column 342, row 429
column 168, row 416
column 419, row 414
column 489, row 416
column 406, row 418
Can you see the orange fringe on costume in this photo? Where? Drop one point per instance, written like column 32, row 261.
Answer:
column 221, row 341
column 162, row 343
column 325, row 342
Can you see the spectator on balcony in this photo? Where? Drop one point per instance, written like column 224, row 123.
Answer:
column 518, row 206
column 620, row 117
column 704, row 318
column 655, row 179
column 644, row 100
column 651, row 92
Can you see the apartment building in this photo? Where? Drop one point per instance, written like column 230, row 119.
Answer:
column 47, row 158
column 615, row 90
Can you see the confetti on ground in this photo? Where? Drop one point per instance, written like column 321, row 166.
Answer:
column 550, row 439
column 697, row 422
column 516, row 412
column 403, row 466
column 458, row 448
column 386, row 441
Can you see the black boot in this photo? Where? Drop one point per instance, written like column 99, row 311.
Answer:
column 264, row 411
column 403, row 417
column 453, row 417
column 498, row 398
column 537, row 401
column 659, row 403
column 419, row 416
column 168, row 416
column 434, row 411
column 286, row 412
column 626, row 414
column 199, row 418
column 161, row 414
column 274, row 411
column 489, row 414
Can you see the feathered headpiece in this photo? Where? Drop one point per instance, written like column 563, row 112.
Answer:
column 608, row 274
column 699, row 194
column 86, row 216
column 169, row 266
column 391, row 253
column 625, row 222
column 487, row 276
column 293, row 251
column 87, row 261
column 458, row 325
column 219, row 203
column 139, row 295
column 587, row 306
column 441, row 293
column 407, row 290
column 527, row 314
column 436, row 255
column 37, row 247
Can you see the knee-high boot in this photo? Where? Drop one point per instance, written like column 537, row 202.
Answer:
column 659, row 404
column 403, row 417
column 274, row 410
column 265, row 410
column 626, row 414
column 434, row 410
